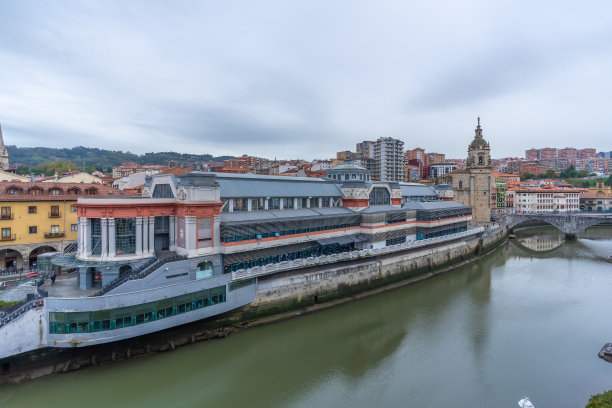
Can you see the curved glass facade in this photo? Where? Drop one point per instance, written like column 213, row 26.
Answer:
column 112, row 319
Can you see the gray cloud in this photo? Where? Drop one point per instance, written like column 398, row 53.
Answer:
column 306, row 78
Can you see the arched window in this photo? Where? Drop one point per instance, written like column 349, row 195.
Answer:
column 480, row 159
column 204, row 270
column 380, row 196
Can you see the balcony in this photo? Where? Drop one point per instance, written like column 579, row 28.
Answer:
column 8, row 237
column 55, row 214
column 6, row 216
column 54, row 235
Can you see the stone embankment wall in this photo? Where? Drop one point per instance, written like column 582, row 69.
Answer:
column 278, row 294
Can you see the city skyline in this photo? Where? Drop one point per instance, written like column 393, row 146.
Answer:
column 292, row 80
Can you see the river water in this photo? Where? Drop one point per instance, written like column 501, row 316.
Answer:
column 527, row 320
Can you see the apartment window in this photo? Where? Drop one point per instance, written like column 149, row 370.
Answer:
column 32, row 209
column 6, row 213
column 6, row 234
column 73, row 227
column 55, row 212
column 13, row 191
column 33, row 230
column 55, row 229
column 35, row 191
column 55, row 191
column 73, row 208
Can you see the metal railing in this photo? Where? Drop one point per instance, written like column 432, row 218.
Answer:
column 346, row 256
column 37, row 301
column 139, row 273
column 8, row 237
column 54, row 235
column 54, row 214
column 7, row 216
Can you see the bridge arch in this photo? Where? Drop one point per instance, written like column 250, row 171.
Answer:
column 570, row 223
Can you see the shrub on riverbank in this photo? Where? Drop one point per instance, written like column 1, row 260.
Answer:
column 603, row 400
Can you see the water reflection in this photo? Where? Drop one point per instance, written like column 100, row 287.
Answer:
column 454, row 340
column 541, row 239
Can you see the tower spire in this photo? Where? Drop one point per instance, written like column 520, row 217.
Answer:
column 4, row 158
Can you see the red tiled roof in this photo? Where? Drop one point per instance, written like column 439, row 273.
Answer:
column 24, row 191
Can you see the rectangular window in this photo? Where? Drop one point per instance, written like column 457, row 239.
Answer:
column 32, row 209
column 274, row 203
column 55, row 212
column 6, row 213
column 33, row 230
column 73, row 227
column 125, row 233
column 288, row 203
column 6, row 234
column 241, row 204
column 73, row 208
column 55, row 229
column 204, row 232
column 55, row 191
column 258, row 204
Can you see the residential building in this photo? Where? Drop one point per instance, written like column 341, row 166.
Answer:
column 389, row 154
column 547, row 199
column 40, row 217
column 599, row 202
column 439, row 169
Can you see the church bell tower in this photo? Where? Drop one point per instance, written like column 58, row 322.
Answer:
column 4, row 157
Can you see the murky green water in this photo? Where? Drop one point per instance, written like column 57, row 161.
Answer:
column 517, row 323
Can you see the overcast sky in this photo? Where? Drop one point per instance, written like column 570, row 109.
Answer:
column 305, row 79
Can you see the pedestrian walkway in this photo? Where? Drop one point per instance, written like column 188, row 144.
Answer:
column 67, row 287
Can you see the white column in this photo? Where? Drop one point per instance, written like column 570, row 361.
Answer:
column 112, row 238
column 295, row 202
column 138, row 236
column 151, row 235
column 80, row 237
column 172, row 231
column 145, row 235
column 104, row 234
column 250, row 204
column 320, row 202
column 87, row 227
column 266, row 203
column 216, row 228
column 190, row 233
column 308, row 202
column 282, row 204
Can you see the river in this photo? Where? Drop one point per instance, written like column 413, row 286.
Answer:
column 527, row 320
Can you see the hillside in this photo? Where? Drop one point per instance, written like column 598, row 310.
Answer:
column 98, row 158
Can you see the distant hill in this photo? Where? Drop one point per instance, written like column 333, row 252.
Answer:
column 98, row 158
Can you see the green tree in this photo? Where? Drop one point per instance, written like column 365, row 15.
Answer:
column 59, row 167
column 550, row 173
column 527, row 176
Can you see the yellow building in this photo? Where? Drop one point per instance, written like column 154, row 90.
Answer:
column 40, row 217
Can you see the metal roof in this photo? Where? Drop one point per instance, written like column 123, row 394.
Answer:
column 432, row 205
column 278, row 215
column 417, row 190
column 373, row 209
column 276, row 187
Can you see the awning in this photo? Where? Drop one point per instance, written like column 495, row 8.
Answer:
column 264, row 253
column 345, row 239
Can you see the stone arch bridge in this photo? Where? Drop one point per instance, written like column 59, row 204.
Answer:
column 570, row 223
